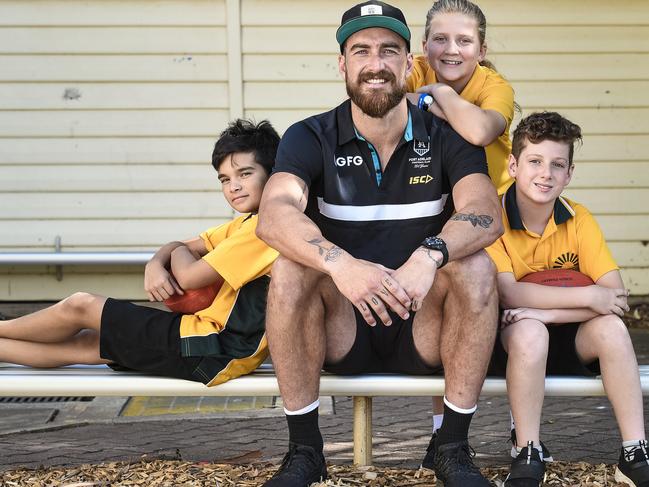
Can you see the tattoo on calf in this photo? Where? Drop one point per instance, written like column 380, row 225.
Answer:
column 330, row 255
column 483, row 220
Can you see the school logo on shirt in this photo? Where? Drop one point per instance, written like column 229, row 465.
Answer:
column 421, row 147
column 567, row 261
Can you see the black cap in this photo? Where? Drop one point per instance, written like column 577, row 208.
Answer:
column 372, row 14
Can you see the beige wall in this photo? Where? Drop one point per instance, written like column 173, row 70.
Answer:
column 108, row 110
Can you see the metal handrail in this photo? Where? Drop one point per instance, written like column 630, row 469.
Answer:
column 75, row 258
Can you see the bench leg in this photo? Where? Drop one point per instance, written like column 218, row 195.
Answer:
column 362, row 431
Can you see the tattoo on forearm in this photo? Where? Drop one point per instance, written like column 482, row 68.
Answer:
column 333, row 253
column 483, row 220
column 330, row 255
column 428, row 254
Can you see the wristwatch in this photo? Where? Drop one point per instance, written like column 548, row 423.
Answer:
column 436, row 243
column 425, row 101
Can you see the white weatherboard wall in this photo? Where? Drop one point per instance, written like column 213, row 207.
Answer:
column 108, row 111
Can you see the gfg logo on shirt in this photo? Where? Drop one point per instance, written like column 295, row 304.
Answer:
column 349, row 160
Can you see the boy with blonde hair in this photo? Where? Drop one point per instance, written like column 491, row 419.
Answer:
column 552, row 330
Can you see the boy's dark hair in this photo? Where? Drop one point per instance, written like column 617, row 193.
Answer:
column 540, row 126
column 244, row 136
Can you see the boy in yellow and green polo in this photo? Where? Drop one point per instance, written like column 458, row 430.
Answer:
column 558, row 330
column 215, row 344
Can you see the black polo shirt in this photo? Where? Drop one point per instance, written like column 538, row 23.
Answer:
column 380, row 217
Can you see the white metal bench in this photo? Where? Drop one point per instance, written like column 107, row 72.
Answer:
column 102, row 381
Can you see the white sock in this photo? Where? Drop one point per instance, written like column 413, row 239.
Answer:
column 458, row 409
column 511, row 421
column 304, row 410
column 437, row 421
column 536, row 447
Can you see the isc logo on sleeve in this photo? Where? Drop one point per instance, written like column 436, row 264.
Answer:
column 349, row 161
column 420, row 179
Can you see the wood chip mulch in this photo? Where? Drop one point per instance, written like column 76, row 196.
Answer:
column 167, row 473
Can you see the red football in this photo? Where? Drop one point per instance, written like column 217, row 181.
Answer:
column 194, row 299
column 558, row 277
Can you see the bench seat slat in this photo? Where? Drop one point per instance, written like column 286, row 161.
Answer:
column 102, row 381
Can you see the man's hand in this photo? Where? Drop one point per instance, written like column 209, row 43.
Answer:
column 159, row 284
column 511, row 316
column 417, row 275
column 606, row 301
column 370, row 287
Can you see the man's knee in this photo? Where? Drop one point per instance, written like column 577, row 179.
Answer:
column 292, row 281
column 474, row 277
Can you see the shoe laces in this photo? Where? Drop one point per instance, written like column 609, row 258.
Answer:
column 461, row 459
column 630, row 452
column 300, row 461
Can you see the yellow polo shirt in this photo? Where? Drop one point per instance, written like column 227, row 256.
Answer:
column 572, row 239
column 488, row 90
column 230, row 335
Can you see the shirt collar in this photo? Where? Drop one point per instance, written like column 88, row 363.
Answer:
column 415, row 128
column 562, row 209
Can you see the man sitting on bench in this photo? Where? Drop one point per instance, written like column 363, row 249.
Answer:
column 380, row 212
column 213, row 345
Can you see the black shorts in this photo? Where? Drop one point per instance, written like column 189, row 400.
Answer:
column 562, row 354
column 144, row 339
column 383, row 348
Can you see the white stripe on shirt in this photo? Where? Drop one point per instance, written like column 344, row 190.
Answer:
column 382, row 212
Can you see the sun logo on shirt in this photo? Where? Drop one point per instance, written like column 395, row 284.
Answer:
column 567, row 261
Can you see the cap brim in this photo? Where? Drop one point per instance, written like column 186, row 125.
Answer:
column 360, row 23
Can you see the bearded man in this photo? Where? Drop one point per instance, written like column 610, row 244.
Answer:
column 380, row 212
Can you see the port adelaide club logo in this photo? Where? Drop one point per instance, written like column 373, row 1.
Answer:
column 421, row 147
column 421, row 159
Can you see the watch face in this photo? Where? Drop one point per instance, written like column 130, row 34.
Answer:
column 428, row 100
column 434, row 242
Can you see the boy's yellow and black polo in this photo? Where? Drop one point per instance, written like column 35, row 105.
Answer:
column 572, row 239
column 229, row 335
column 488, row 90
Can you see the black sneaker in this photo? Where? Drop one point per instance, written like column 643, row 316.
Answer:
column 453, row 465
column 633, row 466
column 429, row 458
column 527, row 470
column 301, row 467
column 547, row 456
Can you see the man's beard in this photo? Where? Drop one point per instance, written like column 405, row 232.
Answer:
column 375, row 103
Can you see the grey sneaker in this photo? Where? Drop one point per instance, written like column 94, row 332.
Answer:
column 527, row 470
column 301, row 467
